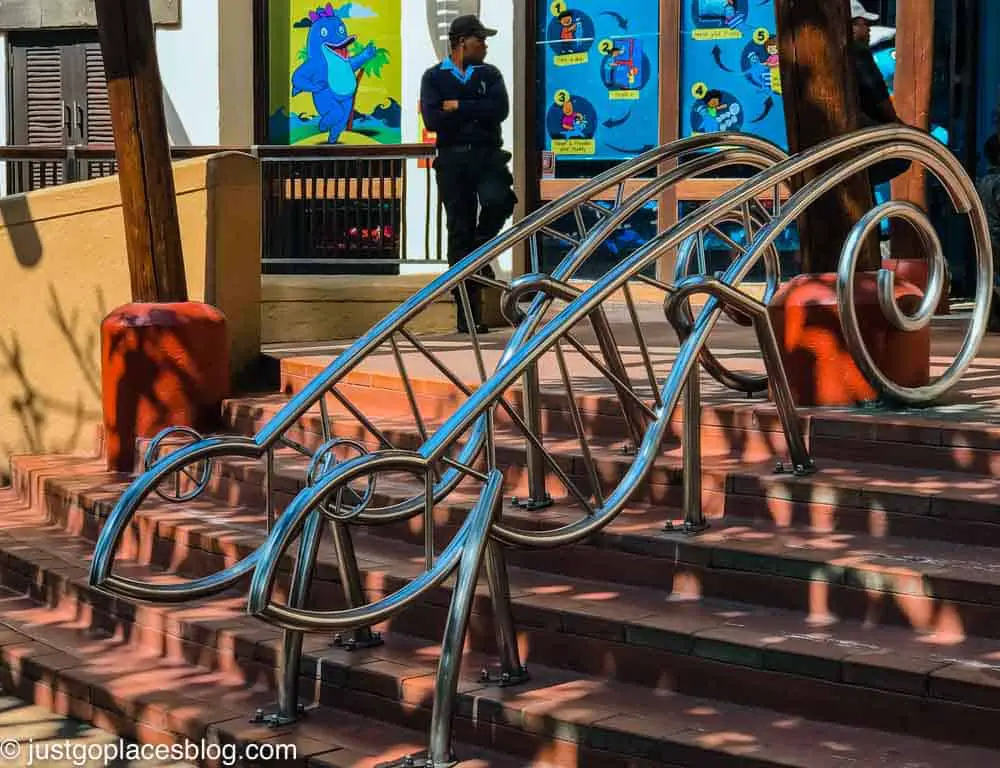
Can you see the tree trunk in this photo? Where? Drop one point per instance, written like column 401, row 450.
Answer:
column 820, row 91
column 149, row 205
column 915, row 73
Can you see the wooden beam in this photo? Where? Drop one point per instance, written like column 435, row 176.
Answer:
column 912, row 99
column 527, row 157
column 670, row 100
column 149, row 205
column 820, row 93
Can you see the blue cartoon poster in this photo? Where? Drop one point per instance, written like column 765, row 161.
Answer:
column 598, row 78
column 730, row 80
column 335, row 72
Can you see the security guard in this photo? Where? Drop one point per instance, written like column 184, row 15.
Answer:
column 464, row 101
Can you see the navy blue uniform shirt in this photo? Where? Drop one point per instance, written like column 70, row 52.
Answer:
column 482, row 104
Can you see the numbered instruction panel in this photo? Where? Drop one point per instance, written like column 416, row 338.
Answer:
column 598, row 78
column 730, row 80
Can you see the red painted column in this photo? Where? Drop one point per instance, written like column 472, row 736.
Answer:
column 821, row 371
column 162, row 365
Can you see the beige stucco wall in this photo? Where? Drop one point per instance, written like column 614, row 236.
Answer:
column 63, row 268
column 298, row 310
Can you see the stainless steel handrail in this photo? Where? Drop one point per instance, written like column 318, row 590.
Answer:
column 267, row 438
column 756, row 153
column 473, row 420
column 884, row 142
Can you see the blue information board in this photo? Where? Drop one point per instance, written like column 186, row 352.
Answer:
column 730, row 80
column 598, row 78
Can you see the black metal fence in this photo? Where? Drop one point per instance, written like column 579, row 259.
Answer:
column 325, row 210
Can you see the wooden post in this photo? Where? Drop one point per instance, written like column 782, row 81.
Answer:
column 149, row 206
column 527, row 160
column 912, row 99
column 820, row 94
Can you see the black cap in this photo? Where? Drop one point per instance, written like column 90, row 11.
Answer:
column 469, row 26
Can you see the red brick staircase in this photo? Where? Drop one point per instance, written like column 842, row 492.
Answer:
column 848, row 618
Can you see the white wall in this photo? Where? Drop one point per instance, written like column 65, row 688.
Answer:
column 189, row 66
column 418, row 53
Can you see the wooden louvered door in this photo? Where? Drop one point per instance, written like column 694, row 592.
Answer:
column 59, row 97
column 96, row 111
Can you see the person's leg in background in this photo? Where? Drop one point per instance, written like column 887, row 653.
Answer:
column 495, row 191
column 457, row 192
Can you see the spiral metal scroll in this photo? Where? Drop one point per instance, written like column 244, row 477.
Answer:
column 886, row 286
column 323, row 462
column 200, row 481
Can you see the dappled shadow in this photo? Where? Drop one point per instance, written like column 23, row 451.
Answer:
column 47, row 421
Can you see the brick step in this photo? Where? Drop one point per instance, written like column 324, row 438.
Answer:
column 858, row 497
column 64, row 646
column 877, row 500
column 931, row 439
column 914, row 583
column 559, row 718
column 810, row 665
column 75, row 670
column 46, row 738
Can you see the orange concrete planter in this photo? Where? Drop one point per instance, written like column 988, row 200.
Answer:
column 820, row 370
column 162, row 365
column 915, row 271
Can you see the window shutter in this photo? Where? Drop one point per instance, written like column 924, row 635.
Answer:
column 98, row 111
column 43, row 114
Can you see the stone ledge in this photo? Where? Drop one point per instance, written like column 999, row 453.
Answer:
column 56, row 14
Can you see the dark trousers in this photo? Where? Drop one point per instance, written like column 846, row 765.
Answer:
column 476, row 188
column 887, row 170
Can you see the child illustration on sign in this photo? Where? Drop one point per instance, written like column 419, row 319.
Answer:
column 716, row 114
column 329, row 72
column 761, row 64
column 625, row 65
column 573, row 123
column 570, row 117
column 568, row 31
column 567, row 27
column 720, row 13
column 771, row 46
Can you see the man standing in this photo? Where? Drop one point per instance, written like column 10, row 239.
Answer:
column 465, row 102
column 873, row 94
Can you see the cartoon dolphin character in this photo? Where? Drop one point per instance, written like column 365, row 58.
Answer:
column 328, row 73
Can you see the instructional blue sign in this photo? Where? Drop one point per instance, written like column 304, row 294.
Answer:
column 598, row 78
column 730, row 79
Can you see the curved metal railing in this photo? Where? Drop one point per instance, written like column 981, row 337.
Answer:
column 471, row 429
column 693, row 157
column 722, row 292
column 716, row 154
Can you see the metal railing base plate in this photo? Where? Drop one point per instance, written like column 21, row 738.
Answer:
column 277, row 719
column 418, row 760
column 357, row 640
column 502, row 678
column 686, row 527
column 532, row 505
